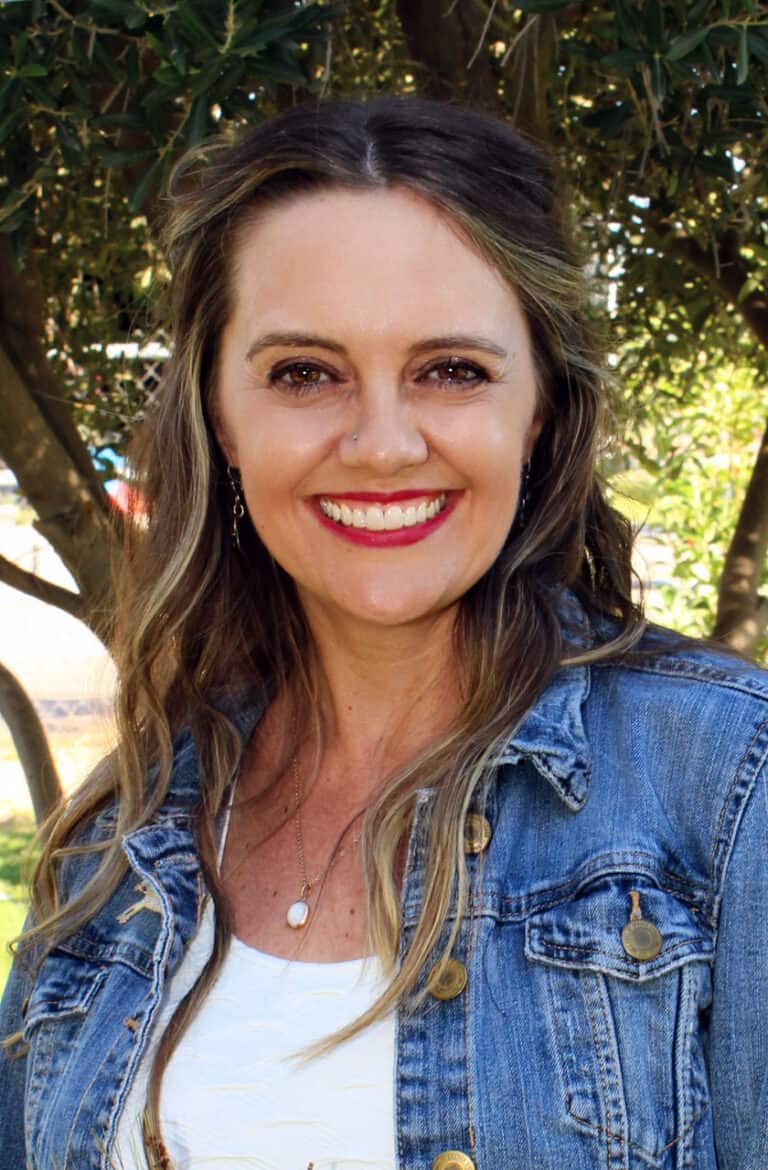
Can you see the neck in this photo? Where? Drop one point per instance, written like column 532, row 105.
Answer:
column 387, row 692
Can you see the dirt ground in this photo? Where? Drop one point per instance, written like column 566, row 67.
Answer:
column 77, row 743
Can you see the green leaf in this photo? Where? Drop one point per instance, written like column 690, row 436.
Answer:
column 20, row 43
column 681, row 46
column 629, row 27
column 287, row 71
column 196, row 125
column 758, row 46
column 32, row 71
column 654, row 22
column 120, row 121
column 145, row 186
column 625, row 61
column 542, row 5
column 193, row 26
column 12, row 222
column 69, row 142
column 743, row 57
column 609, row 123
column 124, row 10
column 9, row 125
column 122, row 158
column 697, row 11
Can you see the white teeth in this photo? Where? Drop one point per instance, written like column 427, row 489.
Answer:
column 393, row 518
column 378, row 519
column 374, row 519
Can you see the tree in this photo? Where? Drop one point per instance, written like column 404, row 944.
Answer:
column 657, row 111
column 96, row 102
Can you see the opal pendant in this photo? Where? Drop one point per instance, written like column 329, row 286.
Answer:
column 298, row 913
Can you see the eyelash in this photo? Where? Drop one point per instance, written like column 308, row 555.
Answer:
column 479, row 374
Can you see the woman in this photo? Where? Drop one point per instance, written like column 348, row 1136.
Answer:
column 403, row 785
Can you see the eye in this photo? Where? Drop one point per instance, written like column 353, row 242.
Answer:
column 298, row 377
column 454, row 372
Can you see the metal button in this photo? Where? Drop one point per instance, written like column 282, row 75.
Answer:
column 453, row 1160
column 477, row 833
column 640, row 938
column 447, row 980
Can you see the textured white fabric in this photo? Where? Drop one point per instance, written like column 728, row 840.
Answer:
column 231, row 1095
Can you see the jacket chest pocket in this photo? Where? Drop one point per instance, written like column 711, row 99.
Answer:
column 628, row 975
column 56, row 1014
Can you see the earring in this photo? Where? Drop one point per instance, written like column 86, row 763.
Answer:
column 524, row 497
column 354, row 436
column 238, row 508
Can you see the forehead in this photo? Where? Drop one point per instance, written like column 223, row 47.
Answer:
column 373, row 259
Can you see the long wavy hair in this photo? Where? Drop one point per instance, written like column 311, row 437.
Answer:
column 197, row 618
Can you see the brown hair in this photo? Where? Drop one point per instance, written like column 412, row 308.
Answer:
column 196, row 617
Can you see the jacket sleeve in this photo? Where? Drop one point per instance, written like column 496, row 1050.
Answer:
column 13, row 1067
column 739, row 1018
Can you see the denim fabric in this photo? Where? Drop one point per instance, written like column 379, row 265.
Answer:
column 562, row 1052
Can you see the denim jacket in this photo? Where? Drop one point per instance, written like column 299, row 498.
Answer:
column 632, row 792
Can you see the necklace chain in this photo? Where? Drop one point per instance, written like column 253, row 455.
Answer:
column 298, row 912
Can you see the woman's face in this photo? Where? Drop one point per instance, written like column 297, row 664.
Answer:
column 376, row 389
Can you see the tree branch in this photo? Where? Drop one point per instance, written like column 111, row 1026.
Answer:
column 742, row 614
column 31, row 743
column 22, row 311
column 728, row 271
column 18, row 578
column 68, row 515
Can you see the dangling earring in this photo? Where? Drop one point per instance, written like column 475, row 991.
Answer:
column 238, row 508
column 524, row 497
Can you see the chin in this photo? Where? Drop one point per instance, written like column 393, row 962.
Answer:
column 394, row 611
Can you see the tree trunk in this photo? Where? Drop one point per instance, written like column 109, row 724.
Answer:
column 30, row 740
column 742, row 614
column 52, row 465
column 447, row 39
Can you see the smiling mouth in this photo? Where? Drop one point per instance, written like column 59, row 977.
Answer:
column 375, row 518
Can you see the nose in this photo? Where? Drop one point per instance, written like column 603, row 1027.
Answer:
column 383, row 436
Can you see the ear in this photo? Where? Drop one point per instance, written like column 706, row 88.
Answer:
column 532, row 434
column 226, row 446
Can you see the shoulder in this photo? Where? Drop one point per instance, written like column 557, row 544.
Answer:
column 696, row 679
column 688, row 722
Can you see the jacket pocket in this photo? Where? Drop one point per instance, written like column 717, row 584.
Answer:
column 65, row 985
column 626, row 1030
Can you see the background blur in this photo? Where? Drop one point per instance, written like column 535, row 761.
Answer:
column 657, row 113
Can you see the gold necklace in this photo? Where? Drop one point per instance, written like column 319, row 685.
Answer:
column 297, row 914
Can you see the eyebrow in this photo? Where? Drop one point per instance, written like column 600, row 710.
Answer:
column 309, row 340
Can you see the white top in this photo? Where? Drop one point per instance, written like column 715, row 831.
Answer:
column 232, row 1097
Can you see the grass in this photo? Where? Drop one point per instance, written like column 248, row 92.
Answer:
column 16, row 855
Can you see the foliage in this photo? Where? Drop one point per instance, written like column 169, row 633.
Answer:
column 687, row 452
column 100, row 97
column 656, row 109
column 16, row 841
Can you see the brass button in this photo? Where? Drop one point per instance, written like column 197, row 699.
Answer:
column 477, row 833
column 453, row 1160
column 640, row 938
column 447, row 980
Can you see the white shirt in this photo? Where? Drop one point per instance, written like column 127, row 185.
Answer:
column 232, row 1097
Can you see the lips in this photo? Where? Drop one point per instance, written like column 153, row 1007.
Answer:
column 381, row 520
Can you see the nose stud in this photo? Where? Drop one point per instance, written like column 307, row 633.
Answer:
column 353, row 436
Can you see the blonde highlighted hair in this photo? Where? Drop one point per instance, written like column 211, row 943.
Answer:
column 197, row 618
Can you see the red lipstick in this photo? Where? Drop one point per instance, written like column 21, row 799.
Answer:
column 385, row 539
